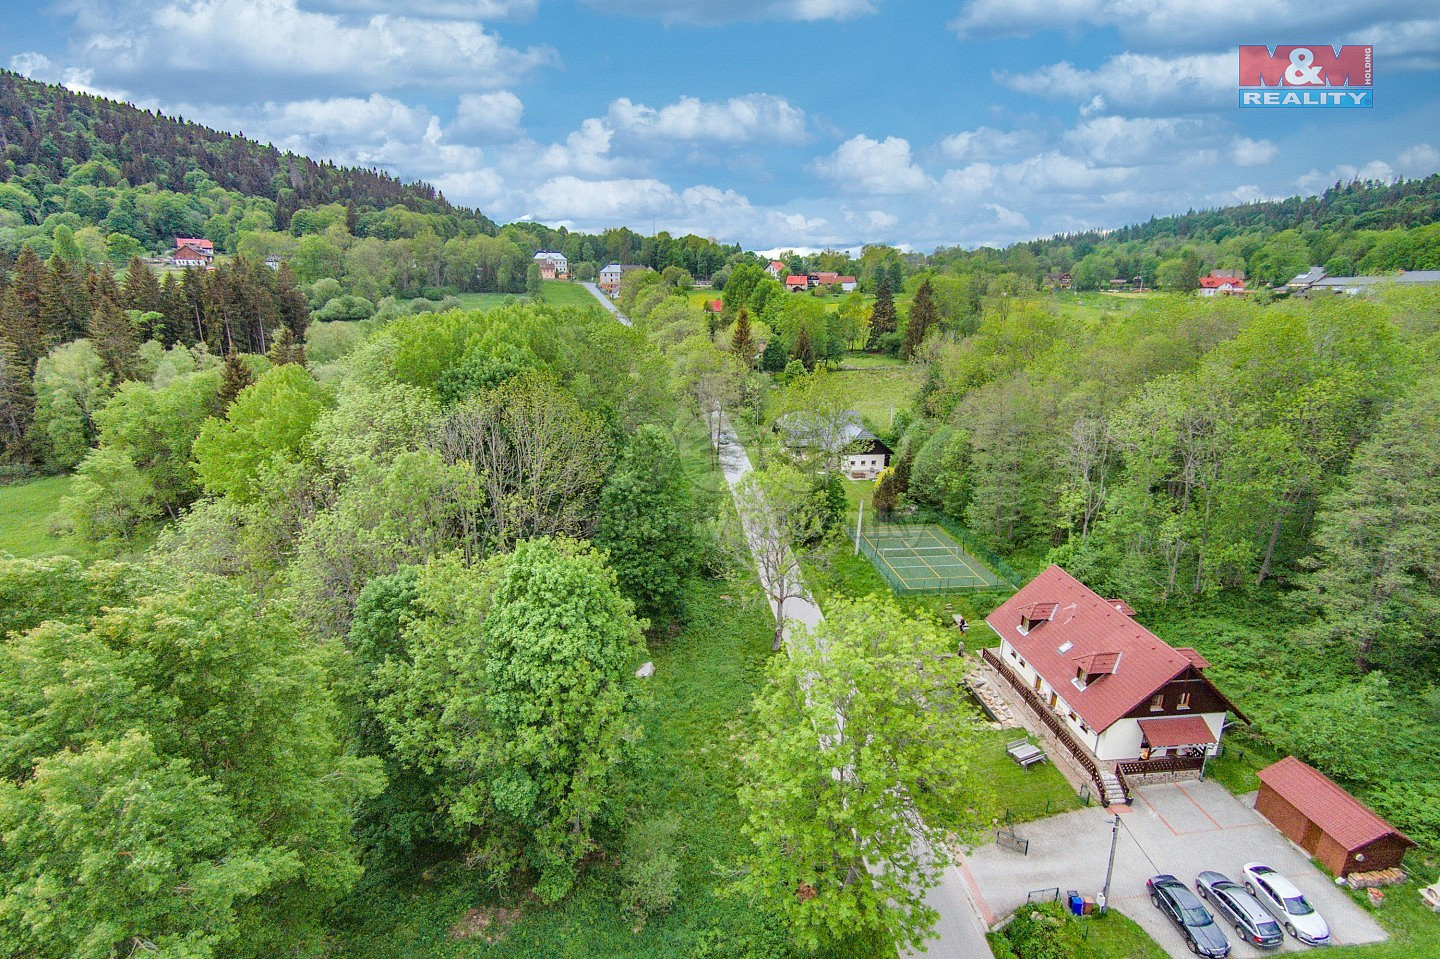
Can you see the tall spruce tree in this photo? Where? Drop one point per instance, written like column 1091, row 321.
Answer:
column 882, row 315
column 17, row 403
column 805, row 348
column 923, row 315
column 22, row 321
column 114, row 337
column 742, row 341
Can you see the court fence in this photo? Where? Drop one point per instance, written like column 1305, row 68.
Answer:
column 896, row 525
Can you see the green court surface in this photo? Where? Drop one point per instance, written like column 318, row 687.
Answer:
column 923, row 558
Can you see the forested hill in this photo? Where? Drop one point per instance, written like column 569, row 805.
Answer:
column 46, row 129
column 1357, row 205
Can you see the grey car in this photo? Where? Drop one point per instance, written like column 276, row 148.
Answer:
column 1174, row 898
column 1234, row 905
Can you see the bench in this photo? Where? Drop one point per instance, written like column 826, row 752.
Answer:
column 1025, row 754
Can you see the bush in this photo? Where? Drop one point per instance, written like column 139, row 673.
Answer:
column 1036, row 933
column 649, row 869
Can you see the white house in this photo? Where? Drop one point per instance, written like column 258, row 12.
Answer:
column 610, row 276
column 1116, row 687
column 861, row 454
column 553, row 265
column 776, row 268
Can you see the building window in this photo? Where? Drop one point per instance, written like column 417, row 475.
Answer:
column 1184, row 702
column 1157, row 702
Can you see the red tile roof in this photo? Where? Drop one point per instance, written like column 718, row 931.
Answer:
column 845, row 279
column 1177, row 731
column 1215, row 282
column 715, row 306
column 797, row 280
column 827, row 278
column 776, row 266
column 1083, row 625
column 196, row 242
column 1196, row 660
column 1340, row 815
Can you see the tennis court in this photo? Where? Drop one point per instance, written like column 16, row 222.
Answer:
column 923, row 558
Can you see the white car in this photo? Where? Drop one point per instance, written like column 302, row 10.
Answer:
column 1286, row 903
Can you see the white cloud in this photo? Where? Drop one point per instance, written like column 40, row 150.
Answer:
column 573, row 198
column 882, row 167
column 1135, row 83
column 1247, row 152
column 1419, row 161
column 1115, row 140
column 1201, row 24
column 744, row 119
column 1315, row 181
column 495, row 114
column 277, row 38
column 986, row 141
column 731, row 11
column 459, row 9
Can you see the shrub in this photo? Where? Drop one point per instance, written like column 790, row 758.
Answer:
column 649, row 870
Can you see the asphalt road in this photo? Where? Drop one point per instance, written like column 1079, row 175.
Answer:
column 606, row 302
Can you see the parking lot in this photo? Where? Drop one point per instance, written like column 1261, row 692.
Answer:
column 1179, row 828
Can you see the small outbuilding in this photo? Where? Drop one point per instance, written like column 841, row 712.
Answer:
column 1326, row 821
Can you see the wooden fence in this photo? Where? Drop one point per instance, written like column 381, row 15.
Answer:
column 1053, row 722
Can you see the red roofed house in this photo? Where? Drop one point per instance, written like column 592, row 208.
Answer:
column 1326, row 821
column 1217, row 284
column 797, row 281
column 847, row 283
column 203, row 247
column 188, row 256
column 1116, row 688
column 825, row 279
column 775, row 268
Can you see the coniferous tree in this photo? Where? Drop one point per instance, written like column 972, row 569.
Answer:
column 805, row 349
column 923, row 315
column 22, row 311
column 235, row 378
column 141, row 290
column 66, row 304
column 742, row 341
column 773, row 359
column 17, row 403
column 882, row 316
column 113, row 335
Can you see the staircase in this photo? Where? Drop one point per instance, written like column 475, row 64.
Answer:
column 1113, row 792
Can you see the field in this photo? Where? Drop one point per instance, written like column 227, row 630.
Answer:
column 25, row 510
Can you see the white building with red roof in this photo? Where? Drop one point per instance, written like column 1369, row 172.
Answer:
column 188, row 256
column 1117, row 688
column 1219, row 283
column 196, row 245
column 775, row 268
column 798, row 281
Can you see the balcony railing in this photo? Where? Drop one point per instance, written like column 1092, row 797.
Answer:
column 1162, row 764
column 1062, row 733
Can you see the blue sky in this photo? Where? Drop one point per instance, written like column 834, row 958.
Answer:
column 772, row 123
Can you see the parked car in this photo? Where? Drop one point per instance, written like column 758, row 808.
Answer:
column 1202, row 934
column 1232, row 904
column 1286, row 903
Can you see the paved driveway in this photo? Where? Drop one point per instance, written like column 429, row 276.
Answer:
column 1182, row 829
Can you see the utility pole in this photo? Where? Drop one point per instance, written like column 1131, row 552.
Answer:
column 1110, row 868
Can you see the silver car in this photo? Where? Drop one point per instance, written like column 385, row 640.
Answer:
column 1234, row 905
column 1286, row 903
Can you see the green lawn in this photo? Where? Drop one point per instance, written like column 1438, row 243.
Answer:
column 1023, row 794
column 566, row 293
column 25, row 511
column 483, row 301
column 1414, row 930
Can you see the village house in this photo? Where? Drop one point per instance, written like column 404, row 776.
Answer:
column 775, row 268
column 1059, row 281
column 797, row 282
column 197, row 245
column 1109, row 688
column 187, row 256
column 859, row 453
column 610, row 276
column 1222, row 283
column 553, row 266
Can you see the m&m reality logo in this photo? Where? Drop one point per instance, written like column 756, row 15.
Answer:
column 1314, row 75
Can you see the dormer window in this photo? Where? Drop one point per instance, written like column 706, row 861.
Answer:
column 1157, row 702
